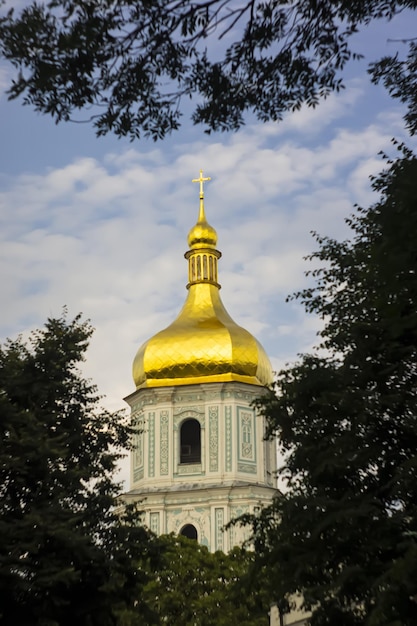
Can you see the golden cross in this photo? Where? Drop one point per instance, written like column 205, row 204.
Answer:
column 201, row 180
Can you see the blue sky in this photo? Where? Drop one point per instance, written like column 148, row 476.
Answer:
column 100, row 225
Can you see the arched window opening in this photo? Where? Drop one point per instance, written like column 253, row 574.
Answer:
column 189, row 531
column 211, row 268
column 205, row 275
column 190, row 442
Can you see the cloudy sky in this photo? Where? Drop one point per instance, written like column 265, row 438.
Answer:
column 100, row 225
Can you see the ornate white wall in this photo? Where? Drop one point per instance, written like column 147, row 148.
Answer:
column 237, row 469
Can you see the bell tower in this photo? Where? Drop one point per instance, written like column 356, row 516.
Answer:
column 199, row 457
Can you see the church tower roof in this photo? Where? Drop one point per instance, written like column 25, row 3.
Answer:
column 203, row 344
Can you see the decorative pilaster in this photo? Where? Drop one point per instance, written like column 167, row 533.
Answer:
column 164, row 443
column 213, row 438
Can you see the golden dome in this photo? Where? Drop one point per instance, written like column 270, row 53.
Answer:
column 202, row 235
column 203, row 344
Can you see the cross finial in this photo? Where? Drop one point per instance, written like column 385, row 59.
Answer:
column 201, row 180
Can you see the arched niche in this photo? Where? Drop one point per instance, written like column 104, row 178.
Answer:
column 189, row 531
column 190, row 441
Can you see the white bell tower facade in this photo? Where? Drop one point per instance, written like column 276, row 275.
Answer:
column 200, row 458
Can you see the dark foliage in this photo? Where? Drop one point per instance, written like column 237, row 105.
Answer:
column 199, row 588
column 133, row 64
column 67, row 556
column 399, row 77
column 344, row 534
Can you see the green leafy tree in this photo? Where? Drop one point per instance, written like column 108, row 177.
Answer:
column 399, row 76
column 67, row 556
column 134, row 64
column 344, row 533
column 194, row 587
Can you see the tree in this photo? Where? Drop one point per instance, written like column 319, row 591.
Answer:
column 344, row 533
column 133, row 63
column 194, row 587
column 67, row 556
column 399, row 77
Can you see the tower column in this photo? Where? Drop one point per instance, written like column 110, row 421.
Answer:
column 199, row 458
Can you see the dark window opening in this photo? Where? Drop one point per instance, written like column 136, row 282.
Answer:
column 190, row 442
column 189, row 531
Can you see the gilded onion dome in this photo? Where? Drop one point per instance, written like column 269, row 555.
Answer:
column 203, row 344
